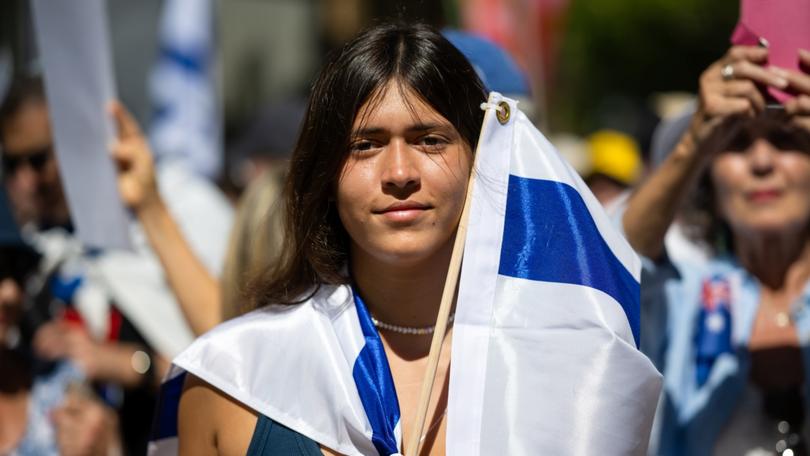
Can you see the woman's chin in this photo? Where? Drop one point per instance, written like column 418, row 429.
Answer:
column 407, row 248
column 405, row 258
column 411, row 254
column 770, row 227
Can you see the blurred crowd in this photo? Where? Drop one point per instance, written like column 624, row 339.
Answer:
column 715, row 198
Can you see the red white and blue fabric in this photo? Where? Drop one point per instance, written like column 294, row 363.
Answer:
column 713, row 335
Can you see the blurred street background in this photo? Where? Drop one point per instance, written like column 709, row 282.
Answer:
column 590, row 64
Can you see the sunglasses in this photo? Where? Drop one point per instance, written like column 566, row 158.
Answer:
column 17, row 263
column 35, row 159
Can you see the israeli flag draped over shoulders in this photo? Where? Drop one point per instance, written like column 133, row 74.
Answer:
column 544, row 355
column 318, row 368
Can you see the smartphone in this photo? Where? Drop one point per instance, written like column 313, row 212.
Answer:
column 781, row 26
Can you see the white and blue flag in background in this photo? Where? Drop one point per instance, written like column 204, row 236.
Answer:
column 186, row 123
column 544, row 345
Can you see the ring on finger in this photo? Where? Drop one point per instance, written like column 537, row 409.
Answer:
column 727, row 72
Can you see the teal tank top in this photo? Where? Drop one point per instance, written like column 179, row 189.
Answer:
column 274, row 439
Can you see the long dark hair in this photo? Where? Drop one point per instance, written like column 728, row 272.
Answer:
column 416, row 57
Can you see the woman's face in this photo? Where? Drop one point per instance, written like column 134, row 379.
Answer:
column 402, row 187
column 762, row 181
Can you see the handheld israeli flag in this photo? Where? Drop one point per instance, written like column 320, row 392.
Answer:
column 544, row 357
column 186, row 122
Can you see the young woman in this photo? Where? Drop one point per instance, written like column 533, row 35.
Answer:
column 374, row 196
column 732, row 335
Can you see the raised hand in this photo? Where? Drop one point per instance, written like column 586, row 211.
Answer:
column 136, row 170
column 728, row 91
column 85, row 426
column 798, row 108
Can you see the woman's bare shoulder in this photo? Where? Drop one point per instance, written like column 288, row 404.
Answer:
column 211, row 422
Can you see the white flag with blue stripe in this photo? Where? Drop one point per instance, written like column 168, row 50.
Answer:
column 544, row 356
column 186, row 123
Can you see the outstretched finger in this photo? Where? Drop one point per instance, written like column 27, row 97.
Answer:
column 756, row 54
column 798, row 106
column 804, row 57
column 760, row 74
column 745, row 89
column 796, row 80
column 738, row 107
column 127, row 126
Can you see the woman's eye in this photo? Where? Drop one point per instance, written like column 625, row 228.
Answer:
column 740, row 142
column 790, row 139
column 432, row 142
column 361, row 146
column 782, row 140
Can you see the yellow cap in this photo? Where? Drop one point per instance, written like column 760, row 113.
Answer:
column 616, row 155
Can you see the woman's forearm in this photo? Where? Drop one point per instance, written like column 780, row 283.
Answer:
column 653, row 206
column 195, row 288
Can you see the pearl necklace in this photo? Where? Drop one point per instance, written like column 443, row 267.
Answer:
column 418, row 331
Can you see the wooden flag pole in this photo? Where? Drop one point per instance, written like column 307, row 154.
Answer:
column 441, row 327
column 415, row 440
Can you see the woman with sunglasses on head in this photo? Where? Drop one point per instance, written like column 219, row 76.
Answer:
column 733, row 332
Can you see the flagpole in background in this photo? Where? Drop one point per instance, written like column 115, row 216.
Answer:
column 448, row 294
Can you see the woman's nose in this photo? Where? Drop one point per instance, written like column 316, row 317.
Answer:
column 761, row 156
column 400, row 170
column 25, row 178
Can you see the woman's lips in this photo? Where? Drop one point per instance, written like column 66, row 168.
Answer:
column 764, row 196
column 403, row 211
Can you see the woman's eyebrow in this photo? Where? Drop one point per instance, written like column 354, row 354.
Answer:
column 420, row 127
column 368, row 131
column 416, row 128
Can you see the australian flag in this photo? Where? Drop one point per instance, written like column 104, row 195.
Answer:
column 713, row 337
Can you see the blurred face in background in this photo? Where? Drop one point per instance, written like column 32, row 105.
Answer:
column 762, row 179
column 30, row 172
column 10, row 305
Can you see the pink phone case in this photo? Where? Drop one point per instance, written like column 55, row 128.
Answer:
column 785, row 27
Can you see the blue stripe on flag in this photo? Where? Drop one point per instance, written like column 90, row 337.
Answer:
column 165, row 423
column 187, row 59
column 372, row 375
column 549, row 235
